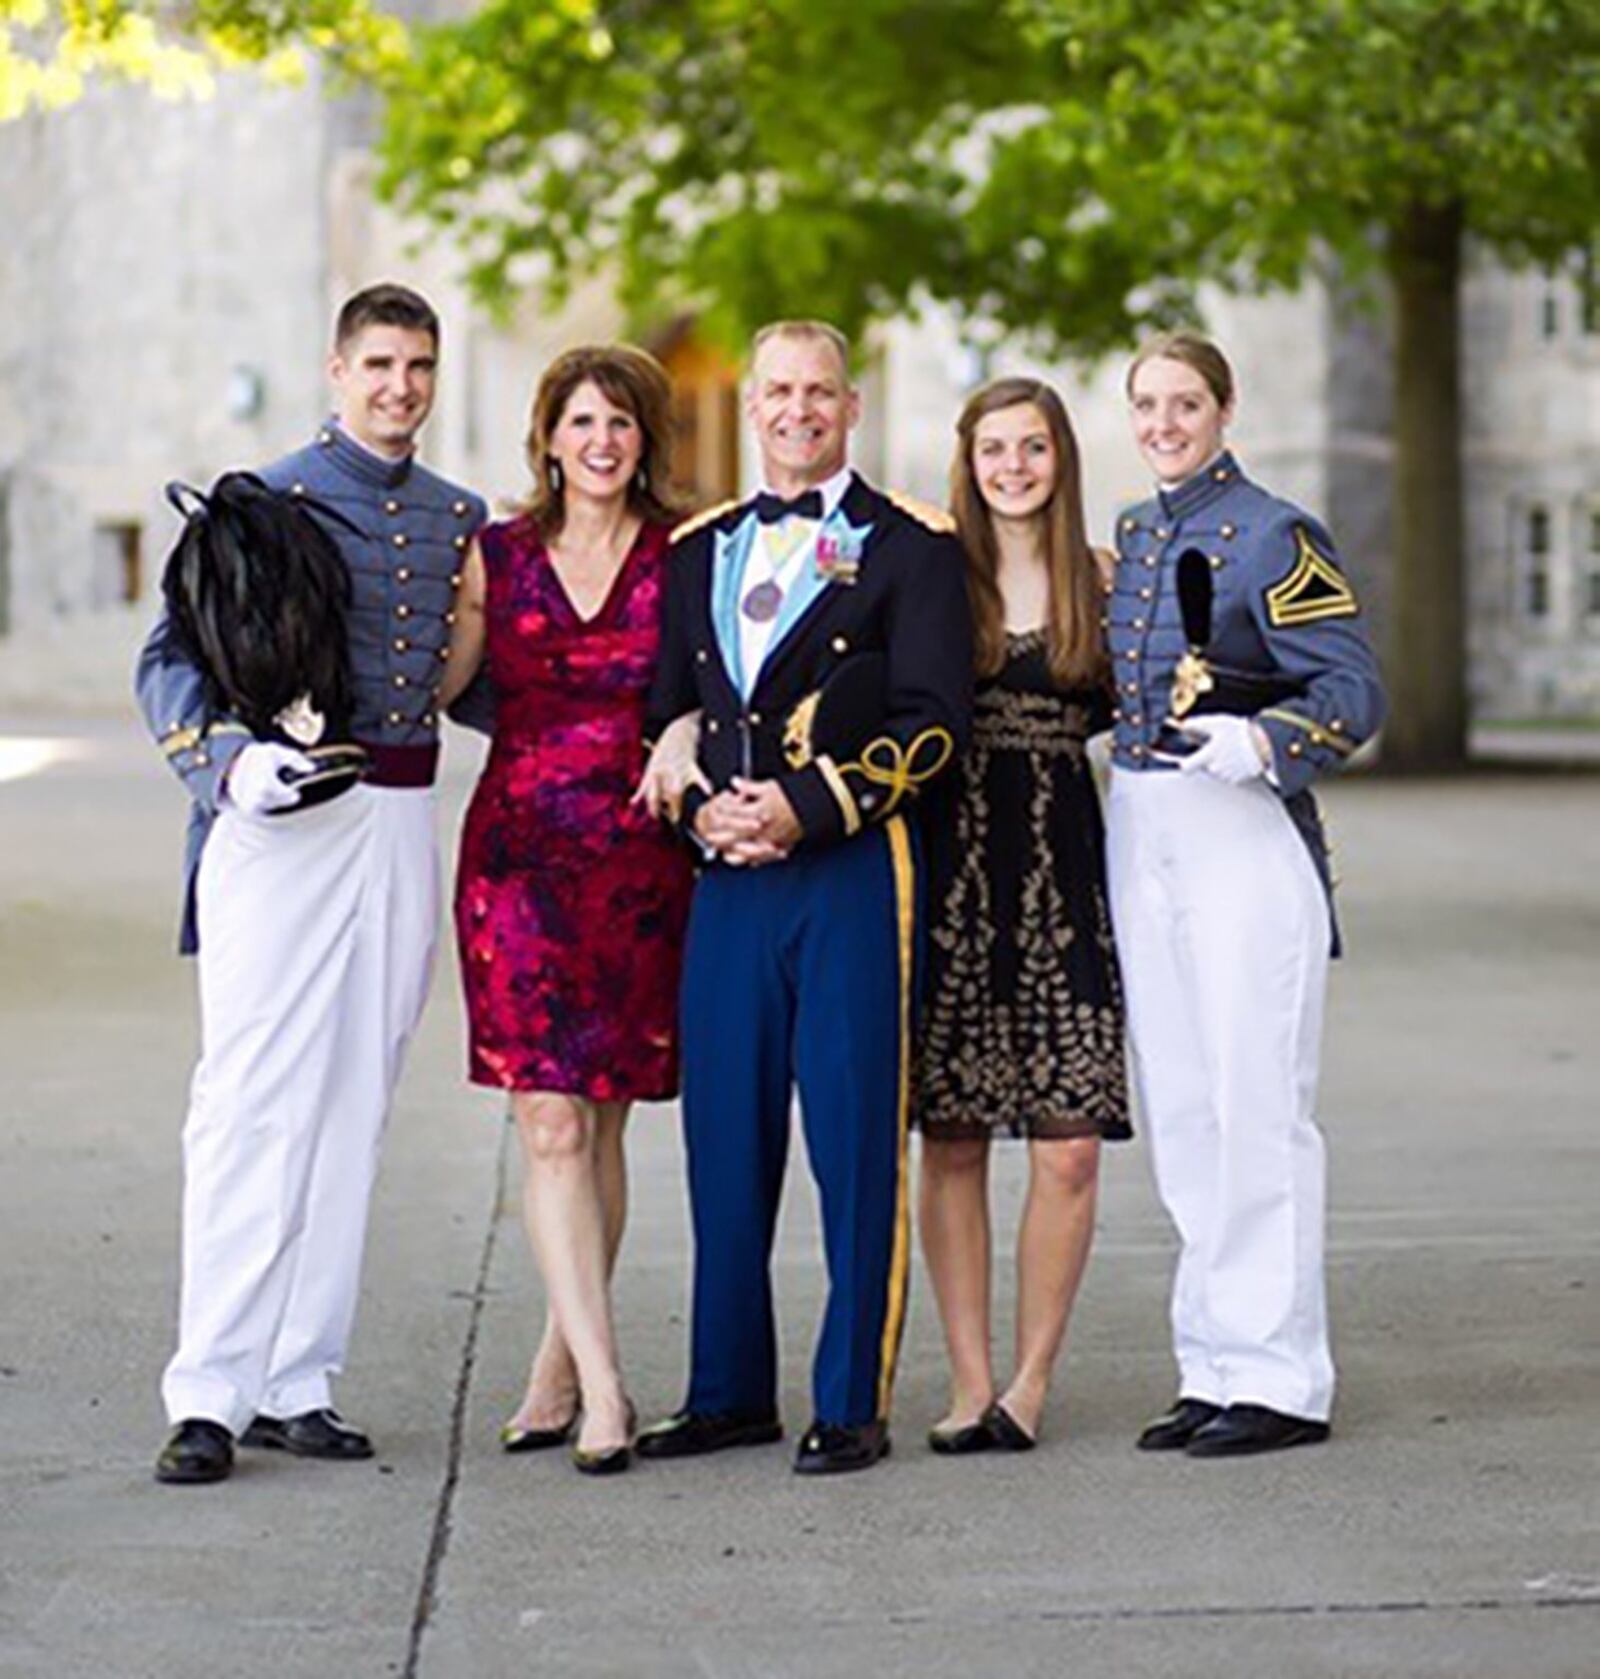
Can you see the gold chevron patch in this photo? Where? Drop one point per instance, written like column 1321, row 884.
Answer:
column 1314, row 589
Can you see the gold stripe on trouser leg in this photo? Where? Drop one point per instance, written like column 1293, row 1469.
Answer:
column 894, row 1318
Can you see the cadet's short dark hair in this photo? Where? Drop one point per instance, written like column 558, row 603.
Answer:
column 385, row 304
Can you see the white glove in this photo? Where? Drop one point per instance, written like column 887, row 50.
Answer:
column 254, row 784
column 1234, row 749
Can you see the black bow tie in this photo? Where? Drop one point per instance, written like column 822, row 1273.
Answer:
column 770, row 508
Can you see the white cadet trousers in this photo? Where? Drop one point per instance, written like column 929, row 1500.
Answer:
column 317, row 931
column 1222, row 933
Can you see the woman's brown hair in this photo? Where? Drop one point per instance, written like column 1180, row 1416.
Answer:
column 1074, row 638
column 635, row 381
column 1197, row 353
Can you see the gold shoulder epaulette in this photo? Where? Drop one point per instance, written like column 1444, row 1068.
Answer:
column 698, row 521
column 924, row 512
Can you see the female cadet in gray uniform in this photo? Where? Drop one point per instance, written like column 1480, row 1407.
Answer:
column 1230, row 611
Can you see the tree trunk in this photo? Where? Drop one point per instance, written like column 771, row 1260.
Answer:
column 1426, row 653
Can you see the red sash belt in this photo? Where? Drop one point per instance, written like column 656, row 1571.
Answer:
column 401, row 766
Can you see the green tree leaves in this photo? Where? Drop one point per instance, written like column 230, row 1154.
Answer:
column 50, row 50
column 1041, row 159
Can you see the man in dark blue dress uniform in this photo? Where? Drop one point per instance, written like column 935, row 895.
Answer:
column 822, row 631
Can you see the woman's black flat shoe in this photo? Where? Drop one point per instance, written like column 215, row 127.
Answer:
column 962, row 1442
column 612, row 1461
column 1008, row 1434
column 516, row 1439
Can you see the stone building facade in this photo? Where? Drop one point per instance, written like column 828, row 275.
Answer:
column 168, row 285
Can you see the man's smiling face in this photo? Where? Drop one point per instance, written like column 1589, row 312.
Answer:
column 383, row 377
column 802, row 406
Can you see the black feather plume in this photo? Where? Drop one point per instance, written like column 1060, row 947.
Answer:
column 258, row 592
column 1195, row 590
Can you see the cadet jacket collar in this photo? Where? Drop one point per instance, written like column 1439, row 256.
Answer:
column 362, row 463
column 1196, row 492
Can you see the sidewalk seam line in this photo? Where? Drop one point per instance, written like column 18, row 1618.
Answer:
column 439, row 1542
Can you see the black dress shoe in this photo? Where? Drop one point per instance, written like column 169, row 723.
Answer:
column 963, row 1441
column 1243, row 1430
column 1009, row 1435
column 693, row 1433
column 516, row 1439
column 197, row 1450
column 836, row 1448
column 1174, row 1429
column 321, row 1433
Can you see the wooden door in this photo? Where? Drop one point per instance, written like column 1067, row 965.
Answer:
column 705, row 385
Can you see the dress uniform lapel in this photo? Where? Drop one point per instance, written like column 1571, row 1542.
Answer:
column 730, row 552
column 834, row 564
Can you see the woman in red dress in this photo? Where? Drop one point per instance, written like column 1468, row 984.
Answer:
column 570, row 901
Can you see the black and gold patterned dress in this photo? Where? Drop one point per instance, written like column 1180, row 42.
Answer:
column 1022, row 1018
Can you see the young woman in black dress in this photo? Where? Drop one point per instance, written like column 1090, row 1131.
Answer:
column 1022, row 1025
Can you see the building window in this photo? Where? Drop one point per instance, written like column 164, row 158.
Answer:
column 1549, row 314
column 116, row 576
column 1591, row 587
column 1589, row 293
column 1536, row 569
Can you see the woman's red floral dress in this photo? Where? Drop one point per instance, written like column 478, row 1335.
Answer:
column 570, row 903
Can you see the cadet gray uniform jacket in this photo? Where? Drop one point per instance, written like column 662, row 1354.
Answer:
column 414, row 528
column 1281, row 606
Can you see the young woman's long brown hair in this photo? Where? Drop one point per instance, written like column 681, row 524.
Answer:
column 632, row 379
column 1074, row 639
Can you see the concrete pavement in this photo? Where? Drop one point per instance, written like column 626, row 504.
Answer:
column 1451, row 1528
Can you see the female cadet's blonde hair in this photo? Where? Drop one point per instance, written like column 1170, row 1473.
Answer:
column 1193, row 351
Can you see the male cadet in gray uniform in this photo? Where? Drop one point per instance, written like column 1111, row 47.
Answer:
column 315, row 929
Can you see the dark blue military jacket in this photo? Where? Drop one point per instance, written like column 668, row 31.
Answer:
column 407, row 534
column 1281, row 607
column 894, row 595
